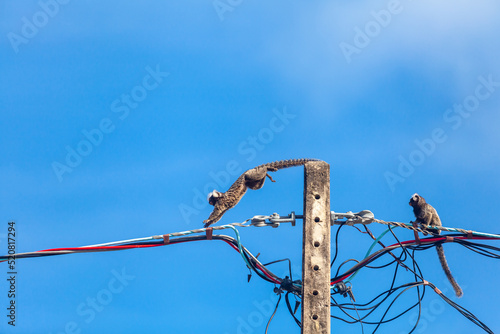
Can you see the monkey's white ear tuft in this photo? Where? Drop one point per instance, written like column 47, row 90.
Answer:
column 211, row 194
column 214, row 197
column 415, row 196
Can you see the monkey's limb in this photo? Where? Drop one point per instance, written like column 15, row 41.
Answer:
column 219, row 209
column 415, row 233
column 214, row 216
column 270, row 178
column 447, row 271
column 254, row 179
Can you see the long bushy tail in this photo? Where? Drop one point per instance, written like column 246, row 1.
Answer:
column 287, row 163
column 447, row 271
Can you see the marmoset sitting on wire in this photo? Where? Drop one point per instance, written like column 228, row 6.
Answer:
column 427, row 215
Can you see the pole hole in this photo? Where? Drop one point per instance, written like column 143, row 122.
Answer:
column 315, row 292
column 315, row 317
column 316, row 219
column 316, row 244
column 317, row 196
column 316, row 267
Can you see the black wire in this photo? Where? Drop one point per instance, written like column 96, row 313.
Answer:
column 401, row 258
column 372, row 258
column 373, row 307
column 297, row 321
column 343, row 263
column 479, row 248
column 275, row 309
column 482, row 249
column 381, row 294
column 250, row 258
column 359, row 317
column 416, row 284
column 337, row 243
column 363, row 263
column 406, row 251
column 382, row 266
column 486, row 250
column 391, row 287
column 467, row 314
column 289, row 265
column 415, row 268
column 392, row 303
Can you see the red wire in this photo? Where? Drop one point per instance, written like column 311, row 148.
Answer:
column 429, row 240
column 257, row 264
column 98, row 248
column 340, row 279
column 147, row 246
column 260, row 267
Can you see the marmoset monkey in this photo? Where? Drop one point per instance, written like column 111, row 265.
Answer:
column 427, row 215
column 253, row 178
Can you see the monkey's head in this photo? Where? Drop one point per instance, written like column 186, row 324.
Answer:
column 213, row 197
column 416, row 199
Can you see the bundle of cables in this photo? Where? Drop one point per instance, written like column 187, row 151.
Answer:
column 281, row 284
column 340, row 282
column 365, row 312
column 167, row 239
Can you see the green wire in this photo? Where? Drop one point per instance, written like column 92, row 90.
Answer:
column 241, row 249
column 449, row 229
column 368, row 253
column 452, row 229
column 239, row 243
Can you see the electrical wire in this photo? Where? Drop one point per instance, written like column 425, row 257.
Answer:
column 289, row 265
column 337, row 243
column 370, row 250
column 425, row 241
column 286, row 285
column 373, row 303
column 275, row 309
column 297, row 321
column 407, row 253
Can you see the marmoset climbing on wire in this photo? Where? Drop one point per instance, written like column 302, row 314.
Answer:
column 427, row 215
column 253, row 178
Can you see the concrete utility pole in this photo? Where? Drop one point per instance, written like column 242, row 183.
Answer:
column 316, row 249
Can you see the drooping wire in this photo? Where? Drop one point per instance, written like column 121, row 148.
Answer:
column 289, row 265
column 370, row 309
column 463, row 239
column 275, row 309
column 423, row 244
column 467, row 314
column 292, row 312
column 337, row 244
column 369, row 251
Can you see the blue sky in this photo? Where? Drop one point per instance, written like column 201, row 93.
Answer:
column 398, row 96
